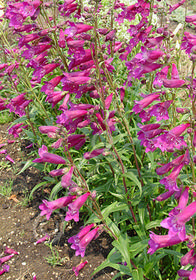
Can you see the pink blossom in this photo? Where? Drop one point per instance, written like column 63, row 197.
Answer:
column 8, row 157
column 51, row 131
column 3, row 151
column 6, row 258
column 171, row 140
column 10, row 251
column 43, row 239
column 173, row 83
column 73, row 208
column 18, row 104
column 5, row 269
column 66, row 179
column 140, row 105
column 79, row 267
column 161, row 241
column 170, row 181
column 49, row 206
column 94, row 153
column 186, row 258
column 75, row 240
column 48, row 157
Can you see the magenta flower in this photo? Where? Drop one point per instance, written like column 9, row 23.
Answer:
column 6, row 258
column 51, row 131
column 186, row 258
column 184, row 273
column 4, row 151
column 176, row 223
column 160, row 110
column 170, row 181
column 10, row 251
column 73, row 208
column 66, row 179
column 171, row 140
column 75, row 240
column 55, row 97
column 165, row 195
column 49, row 206
column 175, row 162
column 43, row 239
column 57, row 172
column 161, row 241
column 18, row 104
column 190, row 18
column 40, row 72
column 173, row 83
column 50, row 85
column 140, row 105
column 48, row 157
column 85, row 240
column 8, row 157
column 5, row 269
column 77, row 269
column 94, row 153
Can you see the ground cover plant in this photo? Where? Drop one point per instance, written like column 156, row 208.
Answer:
column 99, row 91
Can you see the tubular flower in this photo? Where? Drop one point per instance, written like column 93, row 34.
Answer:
column 49, row 206
column 172, row 140
column 140, row 105
column 75, row 240
column 73, row 208
column 5, row 269
column 170, row 181
column 51, row 131
column 77, row 269
column 176, row 223
column 161, row 241
column 18, row 104
column 84, row 241
column 48, row 157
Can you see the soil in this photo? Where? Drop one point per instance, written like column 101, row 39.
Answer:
column 22, row 226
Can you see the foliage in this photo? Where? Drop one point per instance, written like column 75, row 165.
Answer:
column 98, row 88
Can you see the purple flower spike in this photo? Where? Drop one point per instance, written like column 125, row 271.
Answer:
column 73, row 208
column 43, row 239
column 78, row 268
column 48, row 157
column 10, row 251
column 5, row 269
column 6, row 258
column 49, row 206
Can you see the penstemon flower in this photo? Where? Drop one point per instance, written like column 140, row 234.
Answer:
column 73, row 208
column 176, row 223
column 79, row 267
column 49, row 206
column 48, row 157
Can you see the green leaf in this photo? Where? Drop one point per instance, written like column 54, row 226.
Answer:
column 133, row 178
column 122, row 245
column 138, row 247
column 55, row 190
column 37, row 187
column 153, row 224
column 138, row 274
column 27, row 165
